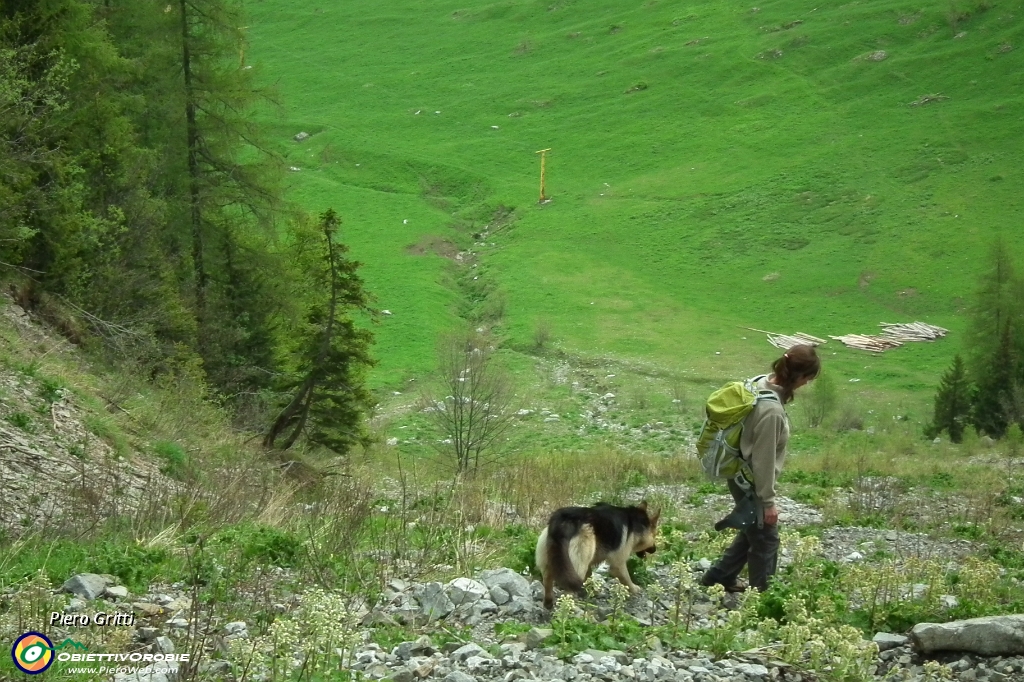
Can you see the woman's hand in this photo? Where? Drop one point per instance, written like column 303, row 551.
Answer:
column 771, row 515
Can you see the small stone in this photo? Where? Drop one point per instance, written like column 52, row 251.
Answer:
column 434, row 601
column 499, row 595
column 163, row 645
column 76, row 605
column 536, row 636
column 401, row 676
column 86, row 585
column 421, row 647
column 886, row 641
column 116, row 592
column 301, row 136
column 376, row 671
column 751, row 669
column 458, row 676
column 236, row 630
column 466, row 591
column 467, row 650
column 146, row 610
column 147, row 634
column 215, row 667
column 508, row 580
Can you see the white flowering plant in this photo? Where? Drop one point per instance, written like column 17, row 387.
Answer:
column 318, row 638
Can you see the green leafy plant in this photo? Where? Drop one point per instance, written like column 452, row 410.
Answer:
column 22, row 421
column 175, row 461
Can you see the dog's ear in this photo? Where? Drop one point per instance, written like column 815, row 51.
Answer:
column 655, row 517
column 642, row 506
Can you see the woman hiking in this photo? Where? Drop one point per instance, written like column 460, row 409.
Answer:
column 763, row 445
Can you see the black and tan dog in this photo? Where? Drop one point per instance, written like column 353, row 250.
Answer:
column 578, row 539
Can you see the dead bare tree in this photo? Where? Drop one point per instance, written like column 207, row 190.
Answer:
column 472, row 404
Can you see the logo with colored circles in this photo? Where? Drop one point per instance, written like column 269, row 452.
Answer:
column 32, row 653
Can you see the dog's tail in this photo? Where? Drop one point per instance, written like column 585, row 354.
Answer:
column 570, row 547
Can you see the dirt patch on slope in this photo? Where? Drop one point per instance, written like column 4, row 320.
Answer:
column 433, row 244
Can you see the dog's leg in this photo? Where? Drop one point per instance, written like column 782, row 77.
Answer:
column 549, row 589
column 618, row 569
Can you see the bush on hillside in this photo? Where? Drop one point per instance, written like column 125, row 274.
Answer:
column 952, row 403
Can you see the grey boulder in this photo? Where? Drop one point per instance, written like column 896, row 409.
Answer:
column 508, row 580
column 86, row 585
column 886, row 640
column 988, row 636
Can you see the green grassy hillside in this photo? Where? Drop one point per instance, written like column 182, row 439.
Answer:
column 713, row 165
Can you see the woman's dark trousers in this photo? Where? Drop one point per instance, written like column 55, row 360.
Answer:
column 757, row 547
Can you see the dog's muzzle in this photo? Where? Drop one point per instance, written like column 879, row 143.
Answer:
column 644, row 552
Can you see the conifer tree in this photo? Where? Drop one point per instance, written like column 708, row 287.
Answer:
column 995, row 394
column 997, row 308
column 952, row 403
column 327, row 394
column 231, row 197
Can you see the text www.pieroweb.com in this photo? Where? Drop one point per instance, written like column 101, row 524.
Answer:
column 118, row 670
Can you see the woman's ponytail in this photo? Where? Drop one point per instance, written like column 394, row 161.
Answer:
column 799, row 362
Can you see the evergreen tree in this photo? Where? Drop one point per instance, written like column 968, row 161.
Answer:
column 135, row 189
column 327, row 393
column 952, row 403
column 997, row 307
column 78, row 215
column 232, row 195
column 33, row 92
column 995, row 394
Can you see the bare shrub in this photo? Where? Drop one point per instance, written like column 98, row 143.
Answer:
column 679, row 394
column 541, row 334
column 334, row 524
column 875, row 493
column 819, row 400
column 472, row 406
column 1012, row 441
column 639, row 397
column 850, row 418
column 418, row 534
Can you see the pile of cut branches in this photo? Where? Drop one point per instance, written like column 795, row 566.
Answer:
column 894, row 335
column 875, row 344
column 913, row 331
column 787, row 341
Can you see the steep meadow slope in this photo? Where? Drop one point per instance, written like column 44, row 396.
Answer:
column 789, row 166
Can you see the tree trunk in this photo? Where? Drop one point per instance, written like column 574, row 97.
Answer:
column 297, row 411
column 192, row 134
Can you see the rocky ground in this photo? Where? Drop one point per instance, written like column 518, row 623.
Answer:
column 54, row 469
column 470, row 608
column 44, row 429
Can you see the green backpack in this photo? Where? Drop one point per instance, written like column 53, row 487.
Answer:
column 718, row 446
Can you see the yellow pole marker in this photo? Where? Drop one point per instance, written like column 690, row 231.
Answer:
column 543, row 156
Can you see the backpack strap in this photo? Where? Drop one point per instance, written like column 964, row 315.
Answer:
column 742, row 479
column 764, row 393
